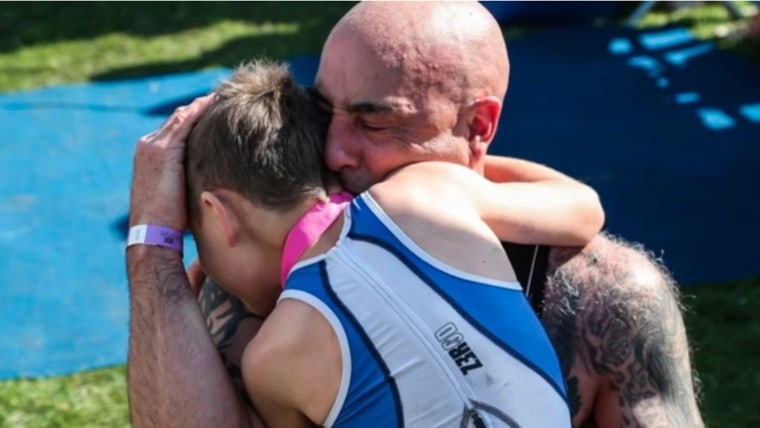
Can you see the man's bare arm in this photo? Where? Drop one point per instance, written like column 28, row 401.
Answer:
column 643, row 357
column 175, row 377
column 613, row 316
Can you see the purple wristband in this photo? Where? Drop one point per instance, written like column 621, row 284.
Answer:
column 153, row 234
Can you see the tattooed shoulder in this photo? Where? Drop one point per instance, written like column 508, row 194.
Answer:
column 615, row 316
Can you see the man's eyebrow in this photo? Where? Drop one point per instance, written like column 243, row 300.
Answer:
column 361, row 107
column 371, row 107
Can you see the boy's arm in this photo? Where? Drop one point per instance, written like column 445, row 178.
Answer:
column 529, row 203
column 555, row 211
column 288, row 368
column 503, row 169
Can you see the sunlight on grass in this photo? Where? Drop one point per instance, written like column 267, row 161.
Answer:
column 88, row 399
column 701, row 20
column 710, row 21
column 77, row 60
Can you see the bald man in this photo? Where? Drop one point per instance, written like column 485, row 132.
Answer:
column 400, row 79
column 397, row 77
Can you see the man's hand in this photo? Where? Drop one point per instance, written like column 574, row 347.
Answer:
column 158, row 179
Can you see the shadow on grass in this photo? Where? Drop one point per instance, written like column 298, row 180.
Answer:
column 29, row 24
column 723, row 325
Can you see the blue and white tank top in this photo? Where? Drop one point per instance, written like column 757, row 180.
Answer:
column 424, row 344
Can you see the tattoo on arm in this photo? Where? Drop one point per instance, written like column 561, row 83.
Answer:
column 624, row 329
column 224, row 314
column 560, row 318
column 641, row 347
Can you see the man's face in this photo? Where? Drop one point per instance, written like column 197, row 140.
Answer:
column 381, row 118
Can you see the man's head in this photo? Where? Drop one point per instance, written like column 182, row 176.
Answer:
column 410, row 82
column 254, row 156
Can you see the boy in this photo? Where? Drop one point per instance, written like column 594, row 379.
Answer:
column 398, row 307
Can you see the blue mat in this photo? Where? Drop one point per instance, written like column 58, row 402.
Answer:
column 65, row 170
column 665, row 127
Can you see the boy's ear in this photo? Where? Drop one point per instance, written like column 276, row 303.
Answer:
column 218, row 209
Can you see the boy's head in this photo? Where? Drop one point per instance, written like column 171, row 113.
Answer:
column 252, row 161
column 263, row 138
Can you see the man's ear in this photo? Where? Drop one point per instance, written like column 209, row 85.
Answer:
column 219, row 210
column 482, row 120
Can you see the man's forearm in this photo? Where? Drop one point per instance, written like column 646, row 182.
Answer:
column 175, row 376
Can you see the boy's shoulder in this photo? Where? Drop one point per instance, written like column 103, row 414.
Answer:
column 427, row 186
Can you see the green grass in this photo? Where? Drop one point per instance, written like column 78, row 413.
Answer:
column 723, row 323
column 710, row 21
column 52, row 43
column 88, row 399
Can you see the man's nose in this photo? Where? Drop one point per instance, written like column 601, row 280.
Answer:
column 340, row 148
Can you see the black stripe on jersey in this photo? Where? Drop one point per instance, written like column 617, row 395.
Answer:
column 497, row 413
column 530, row 263
column 367, row 342
column 464, row 314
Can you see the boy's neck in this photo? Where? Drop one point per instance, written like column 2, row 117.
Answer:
column 273, row 227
